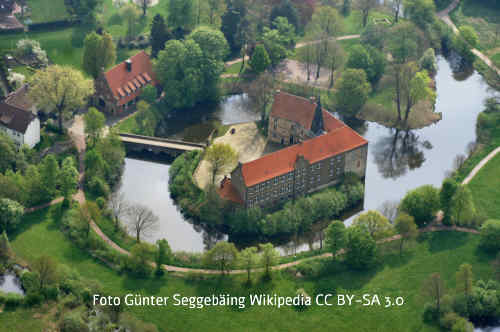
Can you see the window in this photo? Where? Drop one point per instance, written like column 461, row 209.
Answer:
column 275, row 123
column 318, row 165
column 276, row 180
column 358, row 164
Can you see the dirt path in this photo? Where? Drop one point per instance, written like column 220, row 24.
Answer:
column 444, row 15
column 478, row 167
column 298, row 45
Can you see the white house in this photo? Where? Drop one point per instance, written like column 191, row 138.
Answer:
column 20, row 125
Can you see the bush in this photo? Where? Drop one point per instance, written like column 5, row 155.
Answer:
column 50, row 292
column 30, row 281
column 311, row 268
column 73, row 323
column 361, row 249
column 33, row 298
column 490, row 235
column 98, row 187
column 12, row 301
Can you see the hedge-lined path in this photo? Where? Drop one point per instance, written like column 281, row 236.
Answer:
column 445, row 16
column 480, row 165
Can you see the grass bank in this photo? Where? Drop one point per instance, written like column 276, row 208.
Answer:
column 485, row 187
column 441, row 252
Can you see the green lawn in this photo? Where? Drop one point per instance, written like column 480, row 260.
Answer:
column 485, row 187
column 483, row 17
column 57, row 44
column 47, row 11
column 437, row 252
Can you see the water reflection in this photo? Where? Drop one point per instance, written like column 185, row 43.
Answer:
column 399, row 152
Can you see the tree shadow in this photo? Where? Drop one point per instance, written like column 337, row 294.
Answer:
column 446, row 240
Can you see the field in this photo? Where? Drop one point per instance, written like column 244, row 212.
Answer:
column 485, row 187
column 441, row 252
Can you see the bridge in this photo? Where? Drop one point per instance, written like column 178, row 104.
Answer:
column 157, row 145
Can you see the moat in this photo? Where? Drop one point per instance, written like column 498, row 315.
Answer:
column 397, row 160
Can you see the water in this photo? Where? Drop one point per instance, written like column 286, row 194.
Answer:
column 487, row 329
column 398, row 161
column 196, row 125
column 9, row 283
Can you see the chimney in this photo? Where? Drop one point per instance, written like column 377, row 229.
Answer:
column 128, row 65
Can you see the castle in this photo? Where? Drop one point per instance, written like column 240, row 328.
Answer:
column 320, row 150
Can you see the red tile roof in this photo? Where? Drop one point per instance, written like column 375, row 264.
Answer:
column 315, row 149
column 228, row 192
column 119, row 77
column 293, row 108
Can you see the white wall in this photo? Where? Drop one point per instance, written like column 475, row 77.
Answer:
column 32, row 135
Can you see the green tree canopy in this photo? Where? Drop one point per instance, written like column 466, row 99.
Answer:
column 406, row 227
column 490, row 235
column 99, row 53
column 352, row 91
column 94, row 125
column 361, row 249
column 248, row 259
column 421, row 12
column 260, row 59
column 10, row 214
column 462, row 209
column 268, row 257
column 421, row 203
column 335, row 236
column 221, row 158
column 60, row 89
column 375, row 224
column 286, row 9
column 159, row 35
column 224, row 255
column 7, row 153
column 181, row 16
column 470, row 35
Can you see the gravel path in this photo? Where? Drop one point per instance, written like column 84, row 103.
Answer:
column 478, row 167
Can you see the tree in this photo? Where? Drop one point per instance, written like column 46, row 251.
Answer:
column 83, row 9
column 7, row 153
column 46, row 267
column 5, row 250
column 260, row 59
column 278, row 40
column 181, row 16
column 374, row 223
column 159, row 35
column 346, row 7
column 10, row 214
column 366, row 6
column 60, row 89
column 389, row 209
column 99, row 53
column 465, row 279
column 221, row 157
column 130, row 14
column 335, row 237
column 428, row 61
column 433, row 288
column 139, row 260
column 490, row 235
column 361, row 249
column 94, row 124
column 68, row 177
column 406, row 227
column 462, row 210
column 233, row 23
column 397, row 5
column 462, row 325
column 421, row 12
column 144, row 4
column 118, row 207
column 146, row 119
column 215, row 9
column 268, row 257
column 33, row 186
column 49, row 175
column 223, row 254
column 162, row 256
column 286, row 9
column 141, row 220
column 403, row 42
column 325, row 24
column 470, row 35
column 421, row 203
column 352, row 92
column 260, row 93
column 368, row 59
column 335, row 59
column 87, row 212
column 248, row 260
